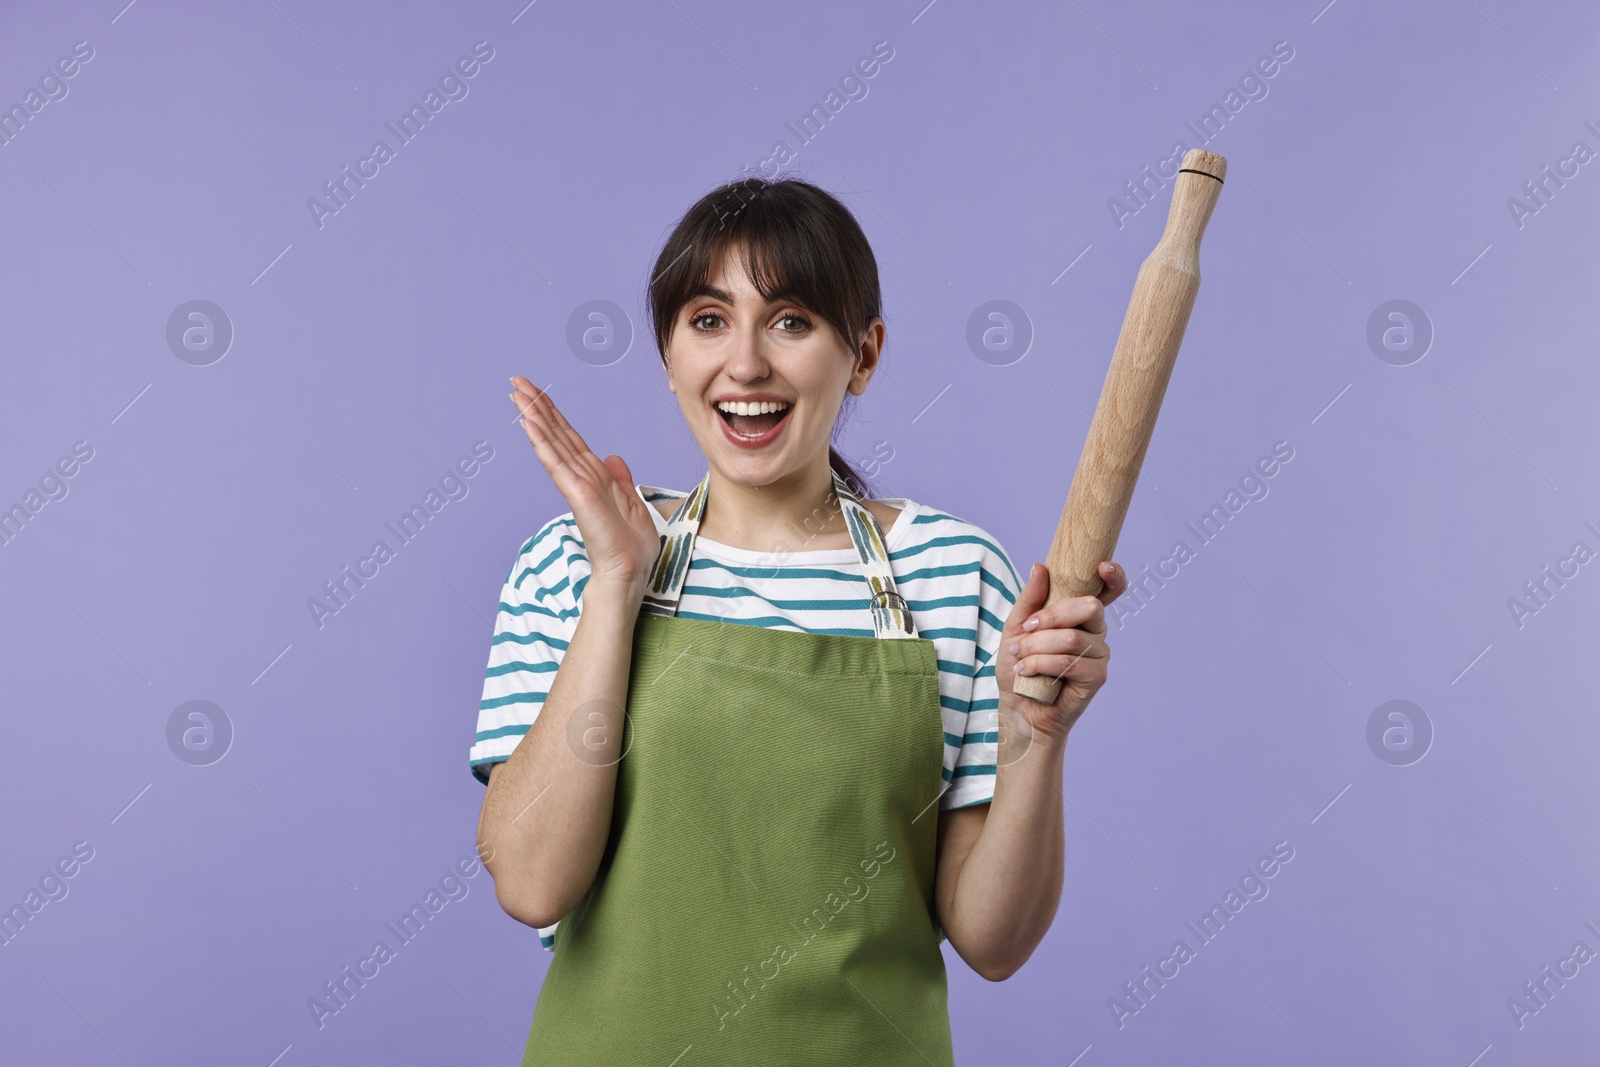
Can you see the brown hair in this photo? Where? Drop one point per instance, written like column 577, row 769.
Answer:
column 797, row 240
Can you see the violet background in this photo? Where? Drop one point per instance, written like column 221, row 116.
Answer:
column 371, row 353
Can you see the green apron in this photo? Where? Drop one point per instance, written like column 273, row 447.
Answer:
column 766, row 892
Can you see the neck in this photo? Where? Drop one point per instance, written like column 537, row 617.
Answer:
column 781, row 516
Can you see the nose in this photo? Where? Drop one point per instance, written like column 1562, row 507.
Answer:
column 747, row 362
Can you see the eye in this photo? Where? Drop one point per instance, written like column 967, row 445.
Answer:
column 695, row 320
column 794, row 316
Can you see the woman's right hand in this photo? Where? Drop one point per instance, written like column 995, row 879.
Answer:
column 619, row 535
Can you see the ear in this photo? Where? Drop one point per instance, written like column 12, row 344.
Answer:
column 868, row 353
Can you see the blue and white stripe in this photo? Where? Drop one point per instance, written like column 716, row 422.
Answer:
column 957, row 581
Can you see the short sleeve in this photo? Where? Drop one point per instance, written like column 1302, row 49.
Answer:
column 537, row 618
column 998, row 588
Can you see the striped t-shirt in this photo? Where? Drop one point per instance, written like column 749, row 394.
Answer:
column 957, row 581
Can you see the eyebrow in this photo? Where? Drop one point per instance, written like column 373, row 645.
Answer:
column 782, row 296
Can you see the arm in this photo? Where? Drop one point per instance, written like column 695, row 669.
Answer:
column 547, row 810
column 1000, row 868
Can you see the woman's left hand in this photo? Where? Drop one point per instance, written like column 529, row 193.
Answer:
column 1068, row 641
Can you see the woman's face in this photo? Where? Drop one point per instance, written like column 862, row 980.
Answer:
column 728, row 344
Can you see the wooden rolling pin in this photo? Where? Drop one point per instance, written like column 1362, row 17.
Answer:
column 1130, row 400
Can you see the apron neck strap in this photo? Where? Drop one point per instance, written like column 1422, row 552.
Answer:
column 891, row 618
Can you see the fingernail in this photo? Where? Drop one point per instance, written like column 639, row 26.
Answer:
column 1014, row 647
column 1031, row 624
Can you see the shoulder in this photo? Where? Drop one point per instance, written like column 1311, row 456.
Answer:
column 562, row 538
column 546, row 559
column 944, row 535
column 555, row 558
column 887, row 512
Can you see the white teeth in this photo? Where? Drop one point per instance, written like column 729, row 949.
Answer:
column 759, row 407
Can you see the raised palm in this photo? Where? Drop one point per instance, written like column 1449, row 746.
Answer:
column 619, row 536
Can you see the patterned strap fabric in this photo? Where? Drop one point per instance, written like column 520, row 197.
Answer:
column 890, row 616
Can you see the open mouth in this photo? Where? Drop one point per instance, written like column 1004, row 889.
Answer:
column 755, row 428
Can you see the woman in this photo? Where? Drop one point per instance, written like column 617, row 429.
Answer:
column 807, row 806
